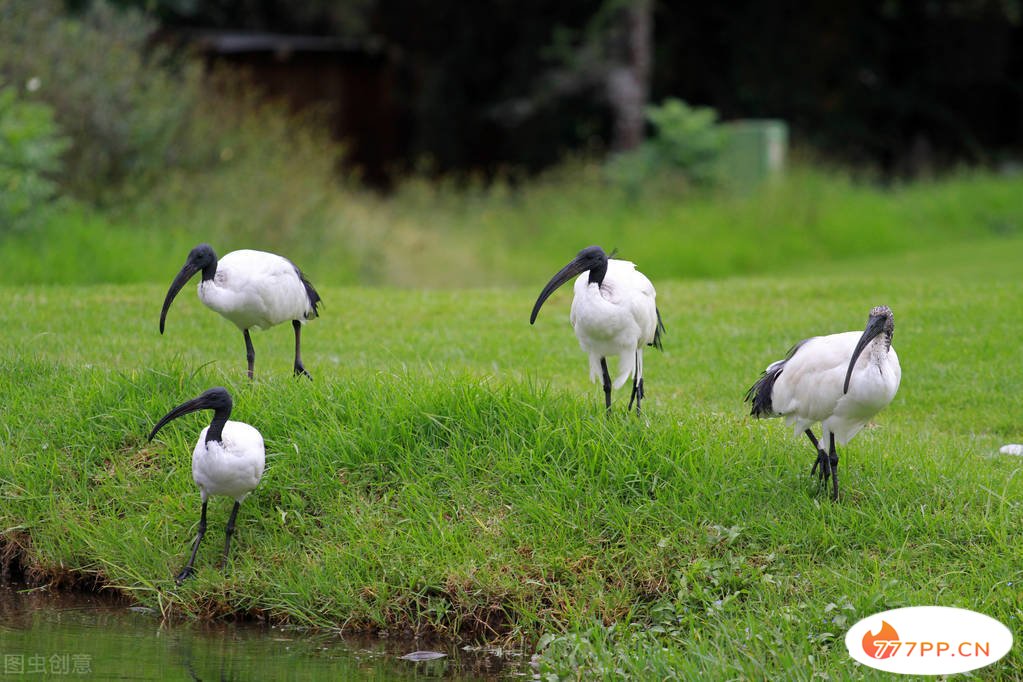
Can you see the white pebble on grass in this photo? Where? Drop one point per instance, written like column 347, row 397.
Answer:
column 1011, row 449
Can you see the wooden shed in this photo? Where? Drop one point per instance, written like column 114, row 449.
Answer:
column 354, row 79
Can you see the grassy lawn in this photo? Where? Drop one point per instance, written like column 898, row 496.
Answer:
column 450, row 469
column 433, row 236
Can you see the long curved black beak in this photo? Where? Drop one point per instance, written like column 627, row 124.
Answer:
column 190, row 268
column 576, row 267
column 875, row 325
column 217, row 399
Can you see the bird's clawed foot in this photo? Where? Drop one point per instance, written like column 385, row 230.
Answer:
column 828, row 465
column 301, row 371
column 824, row 465
column 186, row 573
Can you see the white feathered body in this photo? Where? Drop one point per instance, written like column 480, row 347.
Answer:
column 231, row 466
column 257, row 289
column 809, row 388
column 619, row 317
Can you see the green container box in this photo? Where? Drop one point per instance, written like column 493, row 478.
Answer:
column 755, row 150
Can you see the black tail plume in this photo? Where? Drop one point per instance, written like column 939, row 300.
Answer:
column 759, row 394
column 310, row 292
column 659, row 331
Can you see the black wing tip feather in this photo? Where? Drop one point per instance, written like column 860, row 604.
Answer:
column 310, row 292
column 759, row 394
column 314, row 297
column 659, row 331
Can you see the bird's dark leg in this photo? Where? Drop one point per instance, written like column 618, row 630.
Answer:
column 186, row 572
column 250, row 352
column 833, row 461
column 637, row 389
column 635, row 392
column 229, row 531
column 607, row 385
column 821, row 461
column 299, row 368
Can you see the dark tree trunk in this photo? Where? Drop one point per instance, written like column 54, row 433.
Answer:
column 628, row 79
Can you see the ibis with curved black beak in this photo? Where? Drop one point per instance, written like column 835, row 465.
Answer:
column 228, row 459
column 614, row 313
column 840, row 380
column 251, row 289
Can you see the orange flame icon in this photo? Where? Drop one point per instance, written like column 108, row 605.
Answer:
column 876, row 646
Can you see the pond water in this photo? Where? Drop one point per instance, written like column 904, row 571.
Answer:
column 50, row 636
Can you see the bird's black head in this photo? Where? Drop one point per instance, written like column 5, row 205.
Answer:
column 202, row 258
column 216, row 399
column 882, row 315
column 881, row 321
column 592, row 258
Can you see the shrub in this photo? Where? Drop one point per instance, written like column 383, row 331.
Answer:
column 687, row 141
column 30, row 149
column 120, row 102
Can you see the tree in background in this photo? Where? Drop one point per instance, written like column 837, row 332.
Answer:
column 610, row 56
column 628, row 78
column 122, row 109
column 904, row 84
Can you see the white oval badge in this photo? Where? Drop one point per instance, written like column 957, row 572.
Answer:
column 928, row 640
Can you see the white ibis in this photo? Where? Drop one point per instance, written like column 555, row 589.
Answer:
column 614, row 312
column 228, row 460
column 829, row 379
column 251, row 289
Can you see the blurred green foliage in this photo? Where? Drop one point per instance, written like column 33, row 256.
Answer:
column 123, row 103
column 459, row 234
column 687, row 141
column 229, row 167
column 148, row 128
column 30, row 149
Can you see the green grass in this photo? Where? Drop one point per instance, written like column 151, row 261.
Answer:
column 450, row 468
column 447, row 236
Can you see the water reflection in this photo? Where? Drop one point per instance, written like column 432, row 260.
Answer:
column 49, row 636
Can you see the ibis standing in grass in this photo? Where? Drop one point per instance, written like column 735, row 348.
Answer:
column 251, row 289
column 840, row 380
column 614, row 312
column 228, row 460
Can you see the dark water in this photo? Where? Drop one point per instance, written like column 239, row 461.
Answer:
column 46, row 637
